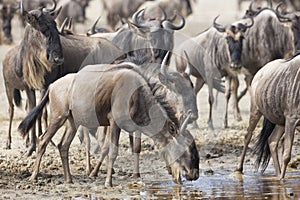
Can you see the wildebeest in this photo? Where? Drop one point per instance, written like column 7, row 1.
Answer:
column 45, row 55
column 7, row 11
column 13, row 85
column 270, row 38
column 156, row 9
column 75, row 9
column 120, row 9
column 276, row 92
column 122, row 97
column 154, row 37
column 213, row 54
column 177, row 87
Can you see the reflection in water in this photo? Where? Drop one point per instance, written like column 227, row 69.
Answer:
column 218, row 186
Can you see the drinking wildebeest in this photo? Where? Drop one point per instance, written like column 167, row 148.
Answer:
column 119, row 96
column 213, row 54
column 178, row 89
column 45, row 55
column 276, row 96
column 7, row 11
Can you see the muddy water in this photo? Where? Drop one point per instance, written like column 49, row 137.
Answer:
column 217, row 186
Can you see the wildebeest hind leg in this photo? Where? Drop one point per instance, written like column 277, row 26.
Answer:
column 55, row 123
column 63, row 147
column 273, row 141
column 290, row 126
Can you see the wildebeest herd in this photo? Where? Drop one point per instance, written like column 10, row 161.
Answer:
column 118, row 77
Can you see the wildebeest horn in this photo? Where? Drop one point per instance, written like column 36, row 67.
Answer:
column 51, row 9
column 169, row 25
column 22, row 11
column 136, row 18
column 185, row 122
column 251, row 7
column 164, row 67
column 164, row 14
column 219, row 27
column 70, row 23
column 62, row 27
column 244, row 27
column 188, row 64
column 281, row 18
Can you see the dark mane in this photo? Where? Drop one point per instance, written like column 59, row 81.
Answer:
column 149, row 70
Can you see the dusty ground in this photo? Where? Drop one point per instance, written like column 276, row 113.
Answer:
column 219, row 150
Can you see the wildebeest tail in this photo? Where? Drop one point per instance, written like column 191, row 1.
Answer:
column 31, row 118
column 218, row 84
column 17, row 97
column 262, row 147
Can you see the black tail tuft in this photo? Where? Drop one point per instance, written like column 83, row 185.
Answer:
column 31, row 118
column 262, row 147
column 17, row 98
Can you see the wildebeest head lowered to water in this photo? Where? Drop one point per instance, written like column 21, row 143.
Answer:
column 122, row 98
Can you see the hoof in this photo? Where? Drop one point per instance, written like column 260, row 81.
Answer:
column 136, row 175
column 30, row 150
column 108, row 184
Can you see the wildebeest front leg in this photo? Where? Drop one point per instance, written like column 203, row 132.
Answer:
column 113, row 151
column 103, row 152
column 63, row 147
column 9, row 93
column 199, row 84
column 273, row 141
column 290, row 126
column 31, row 103
column 227, row 96
column 234, row 89
column 136, row 150
column 255, row 115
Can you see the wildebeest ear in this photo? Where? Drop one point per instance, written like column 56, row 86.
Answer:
column 164, row 80
column 55, row 13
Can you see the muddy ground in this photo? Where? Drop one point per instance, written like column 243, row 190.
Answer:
column 219, row 150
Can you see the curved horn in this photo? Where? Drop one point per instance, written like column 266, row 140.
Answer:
column 22, row 11
column 62, row 27
column 250, row 25
column 164, row 14
column 185, row 122
column 93, row 29
column 169, row 25
column 281, row 18
column 70, row 23
column 188, row 65
column 251, row 8
column 164, row 67
column 219, row 27
column 51, row 9
column 136, row 16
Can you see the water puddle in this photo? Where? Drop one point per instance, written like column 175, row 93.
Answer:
column 216, row 186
